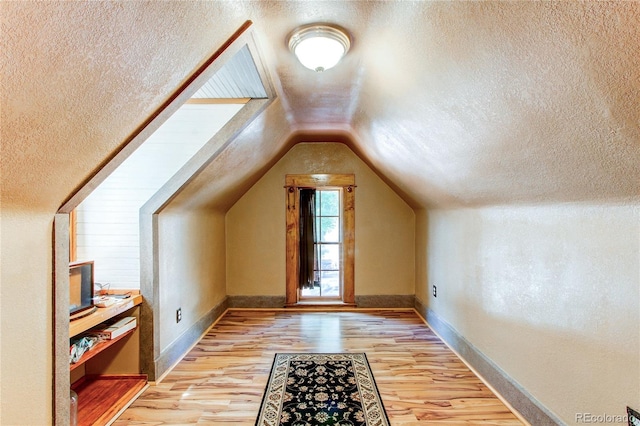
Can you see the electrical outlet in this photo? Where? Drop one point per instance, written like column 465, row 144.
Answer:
column 179, row 315
column 435, row 291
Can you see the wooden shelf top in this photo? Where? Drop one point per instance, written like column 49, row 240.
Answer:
column 101, row 397
column 102, row 314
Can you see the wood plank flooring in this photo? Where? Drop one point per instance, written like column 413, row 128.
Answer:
column 222, row 379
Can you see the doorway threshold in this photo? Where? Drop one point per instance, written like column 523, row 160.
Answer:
column 321, row 304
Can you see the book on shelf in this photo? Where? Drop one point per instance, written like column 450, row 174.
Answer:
column 113, row 329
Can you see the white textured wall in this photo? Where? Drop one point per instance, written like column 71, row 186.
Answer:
column 108, row 219
column 549, row 293
column 384, row 234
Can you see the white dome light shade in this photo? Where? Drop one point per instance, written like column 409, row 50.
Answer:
column 319, row 53
column 319, row 46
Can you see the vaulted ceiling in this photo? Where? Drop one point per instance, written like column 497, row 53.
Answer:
column 453, row 103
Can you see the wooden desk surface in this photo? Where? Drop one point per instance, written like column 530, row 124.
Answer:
column 103, row 314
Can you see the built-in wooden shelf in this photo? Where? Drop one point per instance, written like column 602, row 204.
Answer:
column 102, row 314
column 106, row 378
column 99, row 348
column 101, row 397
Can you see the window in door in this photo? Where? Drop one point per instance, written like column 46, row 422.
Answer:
column 328, row 246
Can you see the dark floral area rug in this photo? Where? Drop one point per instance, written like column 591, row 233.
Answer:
column 321, row 389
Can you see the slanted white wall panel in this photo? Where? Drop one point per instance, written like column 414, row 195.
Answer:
column 108, row 220
column 238, row 78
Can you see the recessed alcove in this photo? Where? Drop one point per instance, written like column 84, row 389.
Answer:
column 211, row 87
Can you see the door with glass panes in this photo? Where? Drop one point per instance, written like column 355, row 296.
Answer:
column 332, row 272
column 328, row 246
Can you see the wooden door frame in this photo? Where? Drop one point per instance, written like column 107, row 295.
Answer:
column 292, row 184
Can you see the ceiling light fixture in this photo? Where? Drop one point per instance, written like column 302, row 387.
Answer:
column 319, row 46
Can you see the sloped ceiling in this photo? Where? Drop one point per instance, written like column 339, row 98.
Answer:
column 454, row 103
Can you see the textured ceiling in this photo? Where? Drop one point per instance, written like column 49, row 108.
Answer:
column 454, row 103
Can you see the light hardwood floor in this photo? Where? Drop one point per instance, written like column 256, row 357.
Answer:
column 222, row 379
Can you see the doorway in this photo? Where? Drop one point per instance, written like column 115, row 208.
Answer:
column 327, row 239
column 323, row 272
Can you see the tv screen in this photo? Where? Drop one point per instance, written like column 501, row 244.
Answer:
column 80, row 287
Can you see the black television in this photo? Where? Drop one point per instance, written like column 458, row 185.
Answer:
column 81, row 289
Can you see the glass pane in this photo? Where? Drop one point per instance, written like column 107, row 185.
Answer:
column 330, row 203
column 329, row 256
column 330, row 283
column 329, row 230
column 311, row 292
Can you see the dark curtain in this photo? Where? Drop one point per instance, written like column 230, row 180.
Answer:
column 308, row 255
